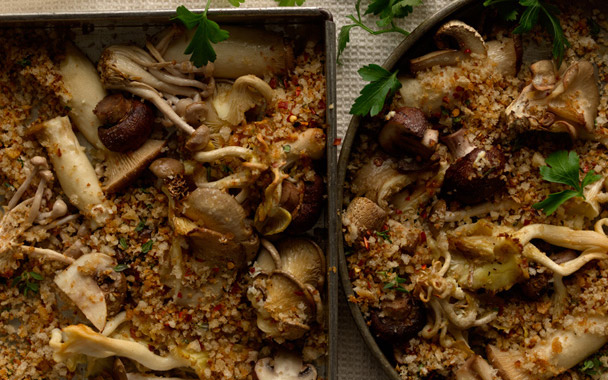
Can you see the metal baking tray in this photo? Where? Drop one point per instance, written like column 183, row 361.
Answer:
column 93, row 30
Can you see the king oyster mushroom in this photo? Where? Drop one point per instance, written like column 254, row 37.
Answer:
column 407, row 131
column 285, row 291
column 284, row 366
column 503, row 56
column 94, row 286
column 558, row 102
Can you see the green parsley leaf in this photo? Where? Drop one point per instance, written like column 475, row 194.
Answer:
column 592, row 366
column 286, row 148
column 123, row 243
column 207, row 32
column 25, row 282
column 236, row 3
column 120, row 267
column 141, row 225
column 384, row 235
column 343, row 39
column 382, row 84
column 20, row 160
column 36, row 276
column 147, row 246
column 564, row 168
column 289, row 3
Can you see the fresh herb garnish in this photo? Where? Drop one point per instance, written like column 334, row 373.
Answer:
column 26, row 61
column 384, row 235
column 289, row 3
column 147, row 246
column 8, row 185
column 236, row 3
column 534, row 12
column 564, row 168
column 592, row 366
column 141, row 225
column 20, row 160
column 394, row 283
column 207, row 32
column 25, row 282
column 123, row 243
column 387, row 10
column 382, row 84
column 120, row 267
column 286, row 148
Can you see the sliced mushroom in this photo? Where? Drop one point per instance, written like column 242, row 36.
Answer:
column 362, row 216
column 475, row 368
column 408, row 131
column 127, row 124
column 284, row 366
column 378, row 180
column 118, row 370
column 122, row 169
column 309, row 196
column 94, row 287
column 72, row 167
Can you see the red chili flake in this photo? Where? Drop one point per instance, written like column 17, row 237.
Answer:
column 366, row 243
column 527, row 221
column 322, row 105
column 446, row 99
column 459, row 88
column 179, row 294
column 585, row 168
column 294, row 80
column 282, row 104
column 218, row 307
column 378, row 161
column 467, row 51
column 132, row 332
column 423, row 214
column 235, row 289
column 423, row 237
column 398, row 212
column 181, row 314
column 273, row 83
column 361, row 263
column 337, row 142
column 58, row 152
column 215, row 270
column 423, row 266
column 150, row 347
column 298, row 90
column 298, row 293
column 252, row 270
column 285, row 83
column 188, row 317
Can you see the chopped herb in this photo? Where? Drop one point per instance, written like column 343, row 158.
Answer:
column 123, row 243
column 203, row 326
column 534, row 12
column 120, row 267
column 141, row 225
column 236, row 3
column 287, row 148
column 564, row 168
column 384, row 235
column 592, row 366
column 20, row 160
column 207, row 32
column 25, row 62
column 144, row 190
column 388, row 11
column 395, row 283
column 457, row 119
column 383, row 84
column 25, row 282
column 8, row 185
column 227, row 169
column 147, row 246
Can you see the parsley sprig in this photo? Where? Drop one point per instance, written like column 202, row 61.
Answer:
column 382, row 84
column 386, row 10
column 564, row 168
column 534, row 12
column 27, row 282
column 394, row 282
column 207, row 32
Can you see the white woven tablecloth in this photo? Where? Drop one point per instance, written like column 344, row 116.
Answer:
column 355, row 360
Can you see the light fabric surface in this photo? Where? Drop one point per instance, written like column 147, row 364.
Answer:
column 355, row 360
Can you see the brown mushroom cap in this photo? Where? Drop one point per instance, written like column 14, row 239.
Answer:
column 308, row 210
column 167, row 167
column 304, row 259
column 402, row 319
column 404, row 132
column 114, row 287
column 132, row 128
column 475, row 177
column 362, row 216
column 467, row 38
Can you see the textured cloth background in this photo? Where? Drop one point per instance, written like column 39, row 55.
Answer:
column 355, row 360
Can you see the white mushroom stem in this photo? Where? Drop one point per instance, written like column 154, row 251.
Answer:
column 478, row 210
column 73, row 169
column 232, row 181
column 276, row 257
column 114, row 323
column 146, row 92
column 81, row 80
column 38, row 163
column 562, row 237
column 46, row 254
column 531, row 252
column 229, row 151
column 45, row 176
column 81, row 340
column 58, row 222
column 58, row 210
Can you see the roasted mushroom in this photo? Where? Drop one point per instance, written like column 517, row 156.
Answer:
column 304, row 202
column 284, row 366
column 399, row 320
column 361, row 217
column 407, row 131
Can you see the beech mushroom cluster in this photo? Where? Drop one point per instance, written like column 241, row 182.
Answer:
column 286, row 287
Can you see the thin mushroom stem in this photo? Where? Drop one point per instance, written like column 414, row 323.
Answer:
column 46, row 254
column 39, row 163
column 58, row 210
column 229, row 151
column 58, row 222
column 531, row 252
column 276, row 257
column 45, row 176
column 232, row 181
column 562, row 237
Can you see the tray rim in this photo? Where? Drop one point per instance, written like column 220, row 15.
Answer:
column 353, row 126
column 277, row 15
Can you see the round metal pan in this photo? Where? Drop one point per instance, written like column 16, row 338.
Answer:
column 419, row 42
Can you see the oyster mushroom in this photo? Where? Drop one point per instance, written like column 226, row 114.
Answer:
column 122, row 169
column 284, row 366
column 94, row 287
column 362, row 217
column 565, row 103
column 246, row 92
column 475, row 368
column 127, row 124
column 285, row 291
column 378, row 181
column 247, row 51
column 408, row 131
column 72, row 167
